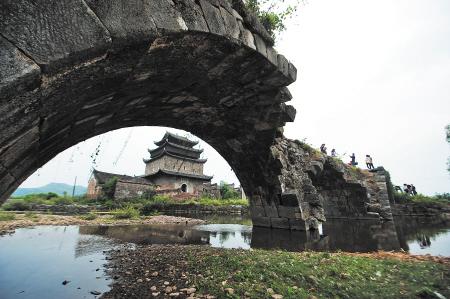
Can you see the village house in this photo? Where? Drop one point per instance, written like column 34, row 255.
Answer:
column 174, row 168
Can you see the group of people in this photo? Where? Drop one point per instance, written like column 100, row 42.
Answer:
column 407, row 188
column 369, row 161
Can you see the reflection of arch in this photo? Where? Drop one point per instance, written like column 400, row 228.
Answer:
column 183, row 188
column 208, row 68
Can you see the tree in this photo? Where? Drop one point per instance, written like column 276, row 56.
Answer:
column 109, row 187
column 227, row 192
column 273, row 13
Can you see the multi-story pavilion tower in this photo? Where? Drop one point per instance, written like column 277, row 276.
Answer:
column 175, row 164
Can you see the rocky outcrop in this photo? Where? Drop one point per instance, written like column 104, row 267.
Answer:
column 348, row 192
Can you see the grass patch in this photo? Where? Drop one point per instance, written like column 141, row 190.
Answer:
column 89, row 216
column 401, row 197
column 7, row 216
column 322, row 275
column 128, row 212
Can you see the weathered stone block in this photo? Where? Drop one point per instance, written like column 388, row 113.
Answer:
column 271, row 210
column 192, row 15
column 261, row 221
column 260, row 45
column 26, row 143
column 289, row 199
column 289, row 212
column 54, row 32
column 297, row 224
column 257, row 211
column 17, row 72
column 126, row 19
column 213, row 18
column 279, row 222
column 247, row 37
column 231, row 24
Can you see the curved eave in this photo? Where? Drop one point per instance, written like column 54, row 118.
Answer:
column 187, row 175
column 203, row 161
column 177, row 146
column 175, row 136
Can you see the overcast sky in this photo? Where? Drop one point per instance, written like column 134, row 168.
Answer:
column 373, row 78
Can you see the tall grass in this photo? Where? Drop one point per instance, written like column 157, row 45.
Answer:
column 7, row 216
column 128, row 212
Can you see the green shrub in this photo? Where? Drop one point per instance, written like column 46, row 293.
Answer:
column 16, row 205
column 273, row 13
column 401, row 197
column 63, row 201
column 109, row 187
column 128, row 212
column 89, row 216
column 7, row 216
column 226, row 191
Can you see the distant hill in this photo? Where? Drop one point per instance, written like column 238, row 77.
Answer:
column 58, row 188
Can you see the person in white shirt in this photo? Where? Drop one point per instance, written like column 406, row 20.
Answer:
column 369, row 162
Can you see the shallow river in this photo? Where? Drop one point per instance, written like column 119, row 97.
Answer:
column 34, row 262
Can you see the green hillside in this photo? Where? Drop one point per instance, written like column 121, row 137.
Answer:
column 58, row 188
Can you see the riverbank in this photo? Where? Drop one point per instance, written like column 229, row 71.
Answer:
column 32, row 219
column 422, row 209
column 162, row 271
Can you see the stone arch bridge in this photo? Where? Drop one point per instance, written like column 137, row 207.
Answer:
column 73, row 69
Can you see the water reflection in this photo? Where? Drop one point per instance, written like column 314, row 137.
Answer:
column 416, row 236
column 35, row 261
column 424, row 235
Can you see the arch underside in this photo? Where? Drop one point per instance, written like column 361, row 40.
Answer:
column 74, row 69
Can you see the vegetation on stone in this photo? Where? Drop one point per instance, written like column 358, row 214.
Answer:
column 273, row 14
column 109, row 187
column 401, row 197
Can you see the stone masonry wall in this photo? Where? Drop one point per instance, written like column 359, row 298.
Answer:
column 174, row 164
column 127, row 190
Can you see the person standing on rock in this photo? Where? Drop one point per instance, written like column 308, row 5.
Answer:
column 407, row 188
column 323, row 149
column 333, row 153
column 413, row 190
column 369, row 162
column 353, row 161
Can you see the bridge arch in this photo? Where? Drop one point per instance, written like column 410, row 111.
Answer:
column 73, row 69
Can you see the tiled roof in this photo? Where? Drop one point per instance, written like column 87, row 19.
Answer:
column 103, row 177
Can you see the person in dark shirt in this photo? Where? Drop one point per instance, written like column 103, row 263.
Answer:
column 333, row 153
column 353, row 160
column 413, row 190
column 323, row 149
